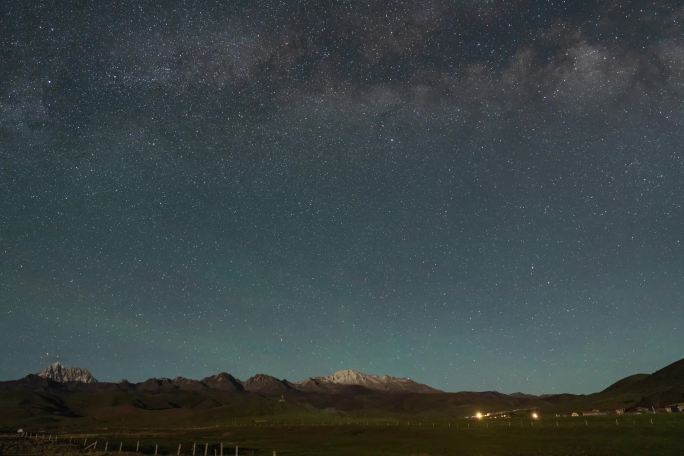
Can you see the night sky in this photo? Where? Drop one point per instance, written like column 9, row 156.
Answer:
column 478, row 195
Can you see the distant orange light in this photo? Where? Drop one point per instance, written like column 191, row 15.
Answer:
column 535, row 416
column 479, row 415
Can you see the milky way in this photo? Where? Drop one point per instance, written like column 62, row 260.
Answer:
column 475, row 194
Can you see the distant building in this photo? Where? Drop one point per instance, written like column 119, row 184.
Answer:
column 574, row 414
column 639, row 410
column 676, row 408
column 593, row 413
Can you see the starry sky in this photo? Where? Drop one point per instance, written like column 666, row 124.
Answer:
column 479, row 195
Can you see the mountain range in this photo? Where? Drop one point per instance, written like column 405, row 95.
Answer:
column 60, row 395
column 337, row 382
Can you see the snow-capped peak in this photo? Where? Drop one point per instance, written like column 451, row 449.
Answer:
column 374, row 382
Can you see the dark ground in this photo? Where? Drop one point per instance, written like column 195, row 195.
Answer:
column 599, row 436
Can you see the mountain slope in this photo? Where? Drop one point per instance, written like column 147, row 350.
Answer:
column 671, row 375
column 625, row 384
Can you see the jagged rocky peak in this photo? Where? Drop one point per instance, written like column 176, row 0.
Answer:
column 58, row 373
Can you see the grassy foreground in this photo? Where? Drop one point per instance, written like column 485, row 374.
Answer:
column 632, row 435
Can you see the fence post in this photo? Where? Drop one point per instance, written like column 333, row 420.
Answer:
column 137, row 446
column 206, row 448
column 106, row 446
column 120, row 446
column 236, row 450
column 179, row 449
column 221, row 448
column 194, row 447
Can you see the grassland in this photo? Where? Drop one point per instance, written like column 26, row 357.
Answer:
column 631, row 435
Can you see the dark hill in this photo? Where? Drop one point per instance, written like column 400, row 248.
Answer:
column 266, row 384
column 189, row 384
column 625, row 383
column 156, row 385
column 31, row 382
column 223, row 382
column 663, row 387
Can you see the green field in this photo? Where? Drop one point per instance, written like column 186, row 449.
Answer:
column 632, row 435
